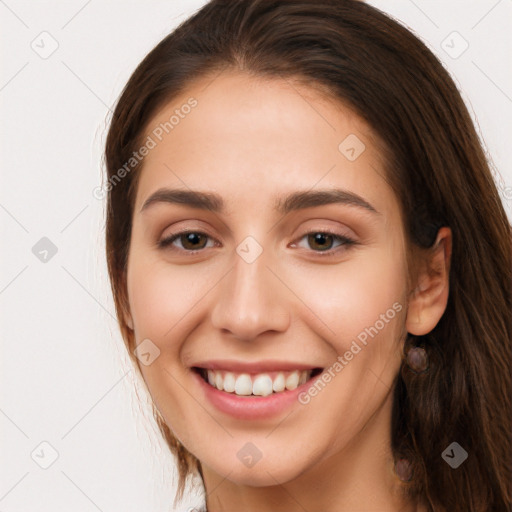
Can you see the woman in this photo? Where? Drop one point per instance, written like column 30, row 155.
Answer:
column 311, row 264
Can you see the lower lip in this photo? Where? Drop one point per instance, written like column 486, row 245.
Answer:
column 251, row 407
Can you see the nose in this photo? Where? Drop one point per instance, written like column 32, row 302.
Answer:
column 250, row 301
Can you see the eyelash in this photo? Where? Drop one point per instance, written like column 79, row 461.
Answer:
column 346, row 242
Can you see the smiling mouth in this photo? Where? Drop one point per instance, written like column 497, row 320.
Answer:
column 256, row 384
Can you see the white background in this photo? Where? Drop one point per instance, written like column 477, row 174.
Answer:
column 65, row 376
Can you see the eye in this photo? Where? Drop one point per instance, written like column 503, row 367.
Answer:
column 323, row 241
column 190, row 240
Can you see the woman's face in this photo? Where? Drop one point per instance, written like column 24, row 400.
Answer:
column 296, row 262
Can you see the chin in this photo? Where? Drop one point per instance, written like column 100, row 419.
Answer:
column 264, row 473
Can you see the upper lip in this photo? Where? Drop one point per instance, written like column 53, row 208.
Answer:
column 253, row 367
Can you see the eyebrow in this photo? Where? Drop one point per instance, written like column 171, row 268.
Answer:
column 295, row 201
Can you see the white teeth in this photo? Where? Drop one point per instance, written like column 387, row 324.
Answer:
column 229, row 382
column 243, row 384
column 293, row 380
column 259, row 385
column 262, row 385
column 279, row 383
column 218, row 381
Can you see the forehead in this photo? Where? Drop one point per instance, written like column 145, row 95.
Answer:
column 248, row 137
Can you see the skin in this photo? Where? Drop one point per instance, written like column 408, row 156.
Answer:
column 250, row 140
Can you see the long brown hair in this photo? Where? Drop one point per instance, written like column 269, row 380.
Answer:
column 439, row 172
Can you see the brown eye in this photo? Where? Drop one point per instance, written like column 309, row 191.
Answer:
column 325, row 243
column 322, row 241
column 189, row 241
column 192, row 241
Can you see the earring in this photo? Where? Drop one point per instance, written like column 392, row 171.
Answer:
column 404, row 470
column 416, row 357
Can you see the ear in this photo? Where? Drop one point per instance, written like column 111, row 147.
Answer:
column 428, row 300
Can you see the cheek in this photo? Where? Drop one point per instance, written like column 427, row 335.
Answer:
column 164, row 302
column 351, row 296
column 161, row 296
column 362, row 301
